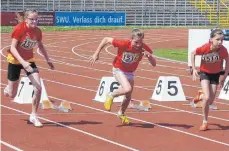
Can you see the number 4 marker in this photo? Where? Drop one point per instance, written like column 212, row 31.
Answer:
column 224, row 94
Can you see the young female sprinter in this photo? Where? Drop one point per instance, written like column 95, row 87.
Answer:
column 130, row 53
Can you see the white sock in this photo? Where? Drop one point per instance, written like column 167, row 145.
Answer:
column 6, row 89
column 119, row 112
column 110, row 94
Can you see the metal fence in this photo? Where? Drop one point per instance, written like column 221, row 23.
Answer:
column 144, row 13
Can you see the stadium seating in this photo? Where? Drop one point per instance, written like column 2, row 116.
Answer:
column 145, row 12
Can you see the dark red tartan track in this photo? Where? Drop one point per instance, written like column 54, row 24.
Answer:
column 169, row 126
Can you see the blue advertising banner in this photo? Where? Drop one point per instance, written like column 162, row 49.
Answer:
column 90, row 19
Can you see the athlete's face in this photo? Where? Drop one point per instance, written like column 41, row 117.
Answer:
column 31, row 20
column 217, row 41
column 137, row 42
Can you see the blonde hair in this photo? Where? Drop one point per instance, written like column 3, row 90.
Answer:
column 26, row 12
column 215, row 32
column 137, row 33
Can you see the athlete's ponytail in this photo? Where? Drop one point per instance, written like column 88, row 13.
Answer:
column 19, row 18
column 26, row 12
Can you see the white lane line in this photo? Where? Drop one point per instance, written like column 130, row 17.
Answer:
column 143, row 121
column 75, row 129
column 173, row 129
column 93, row 90
column 10, row 146
column 95, row 113
column 176, row 109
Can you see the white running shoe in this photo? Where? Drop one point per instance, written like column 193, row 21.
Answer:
column 213, row 107
column 33, row 119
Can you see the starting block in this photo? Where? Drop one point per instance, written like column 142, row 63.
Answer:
column 142, row 105
column 200, row 105
column 66, row 105
column 198, row 101
column 47, row 105
column 63, row 107
column 146, row 103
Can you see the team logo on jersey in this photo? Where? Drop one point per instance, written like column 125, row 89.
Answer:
column 210, row 57
column 28, row 43
column 129, row 57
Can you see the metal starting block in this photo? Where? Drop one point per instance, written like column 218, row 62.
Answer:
column 63, row 107
column 197, row 102
column 46, row 104
column 142, row 105
column 66, row 105
column 200, row 105
column 146, row 103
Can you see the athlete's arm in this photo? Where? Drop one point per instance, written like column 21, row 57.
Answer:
column 104, row 42
column 151, row 59
column 15, row 53
column 195, row 73
column 44, row 52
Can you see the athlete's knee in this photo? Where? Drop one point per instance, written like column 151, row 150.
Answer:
column 127, row 89
column 206, row 100
column 37, row 89
column 206, row 97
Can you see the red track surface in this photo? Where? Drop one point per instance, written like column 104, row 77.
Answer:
column 168, row 126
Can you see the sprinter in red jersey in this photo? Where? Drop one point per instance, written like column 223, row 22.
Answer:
column 20, row 56
column 213, row 54
column 130, row 53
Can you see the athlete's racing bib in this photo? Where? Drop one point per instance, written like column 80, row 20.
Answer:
column 129, row 57
column 210, row 57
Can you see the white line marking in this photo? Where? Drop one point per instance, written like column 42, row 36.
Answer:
column 97, row 113
column 180, row 131
column 143, row 121
column 226, row 144
column 92, row 90
column 75, row 129
column 10, row 146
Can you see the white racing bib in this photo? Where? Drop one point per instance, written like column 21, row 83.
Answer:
column 210, row 57
column 129, row 57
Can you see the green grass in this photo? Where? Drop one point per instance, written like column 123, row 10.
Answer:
column 174, row 54
column 6, row 29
